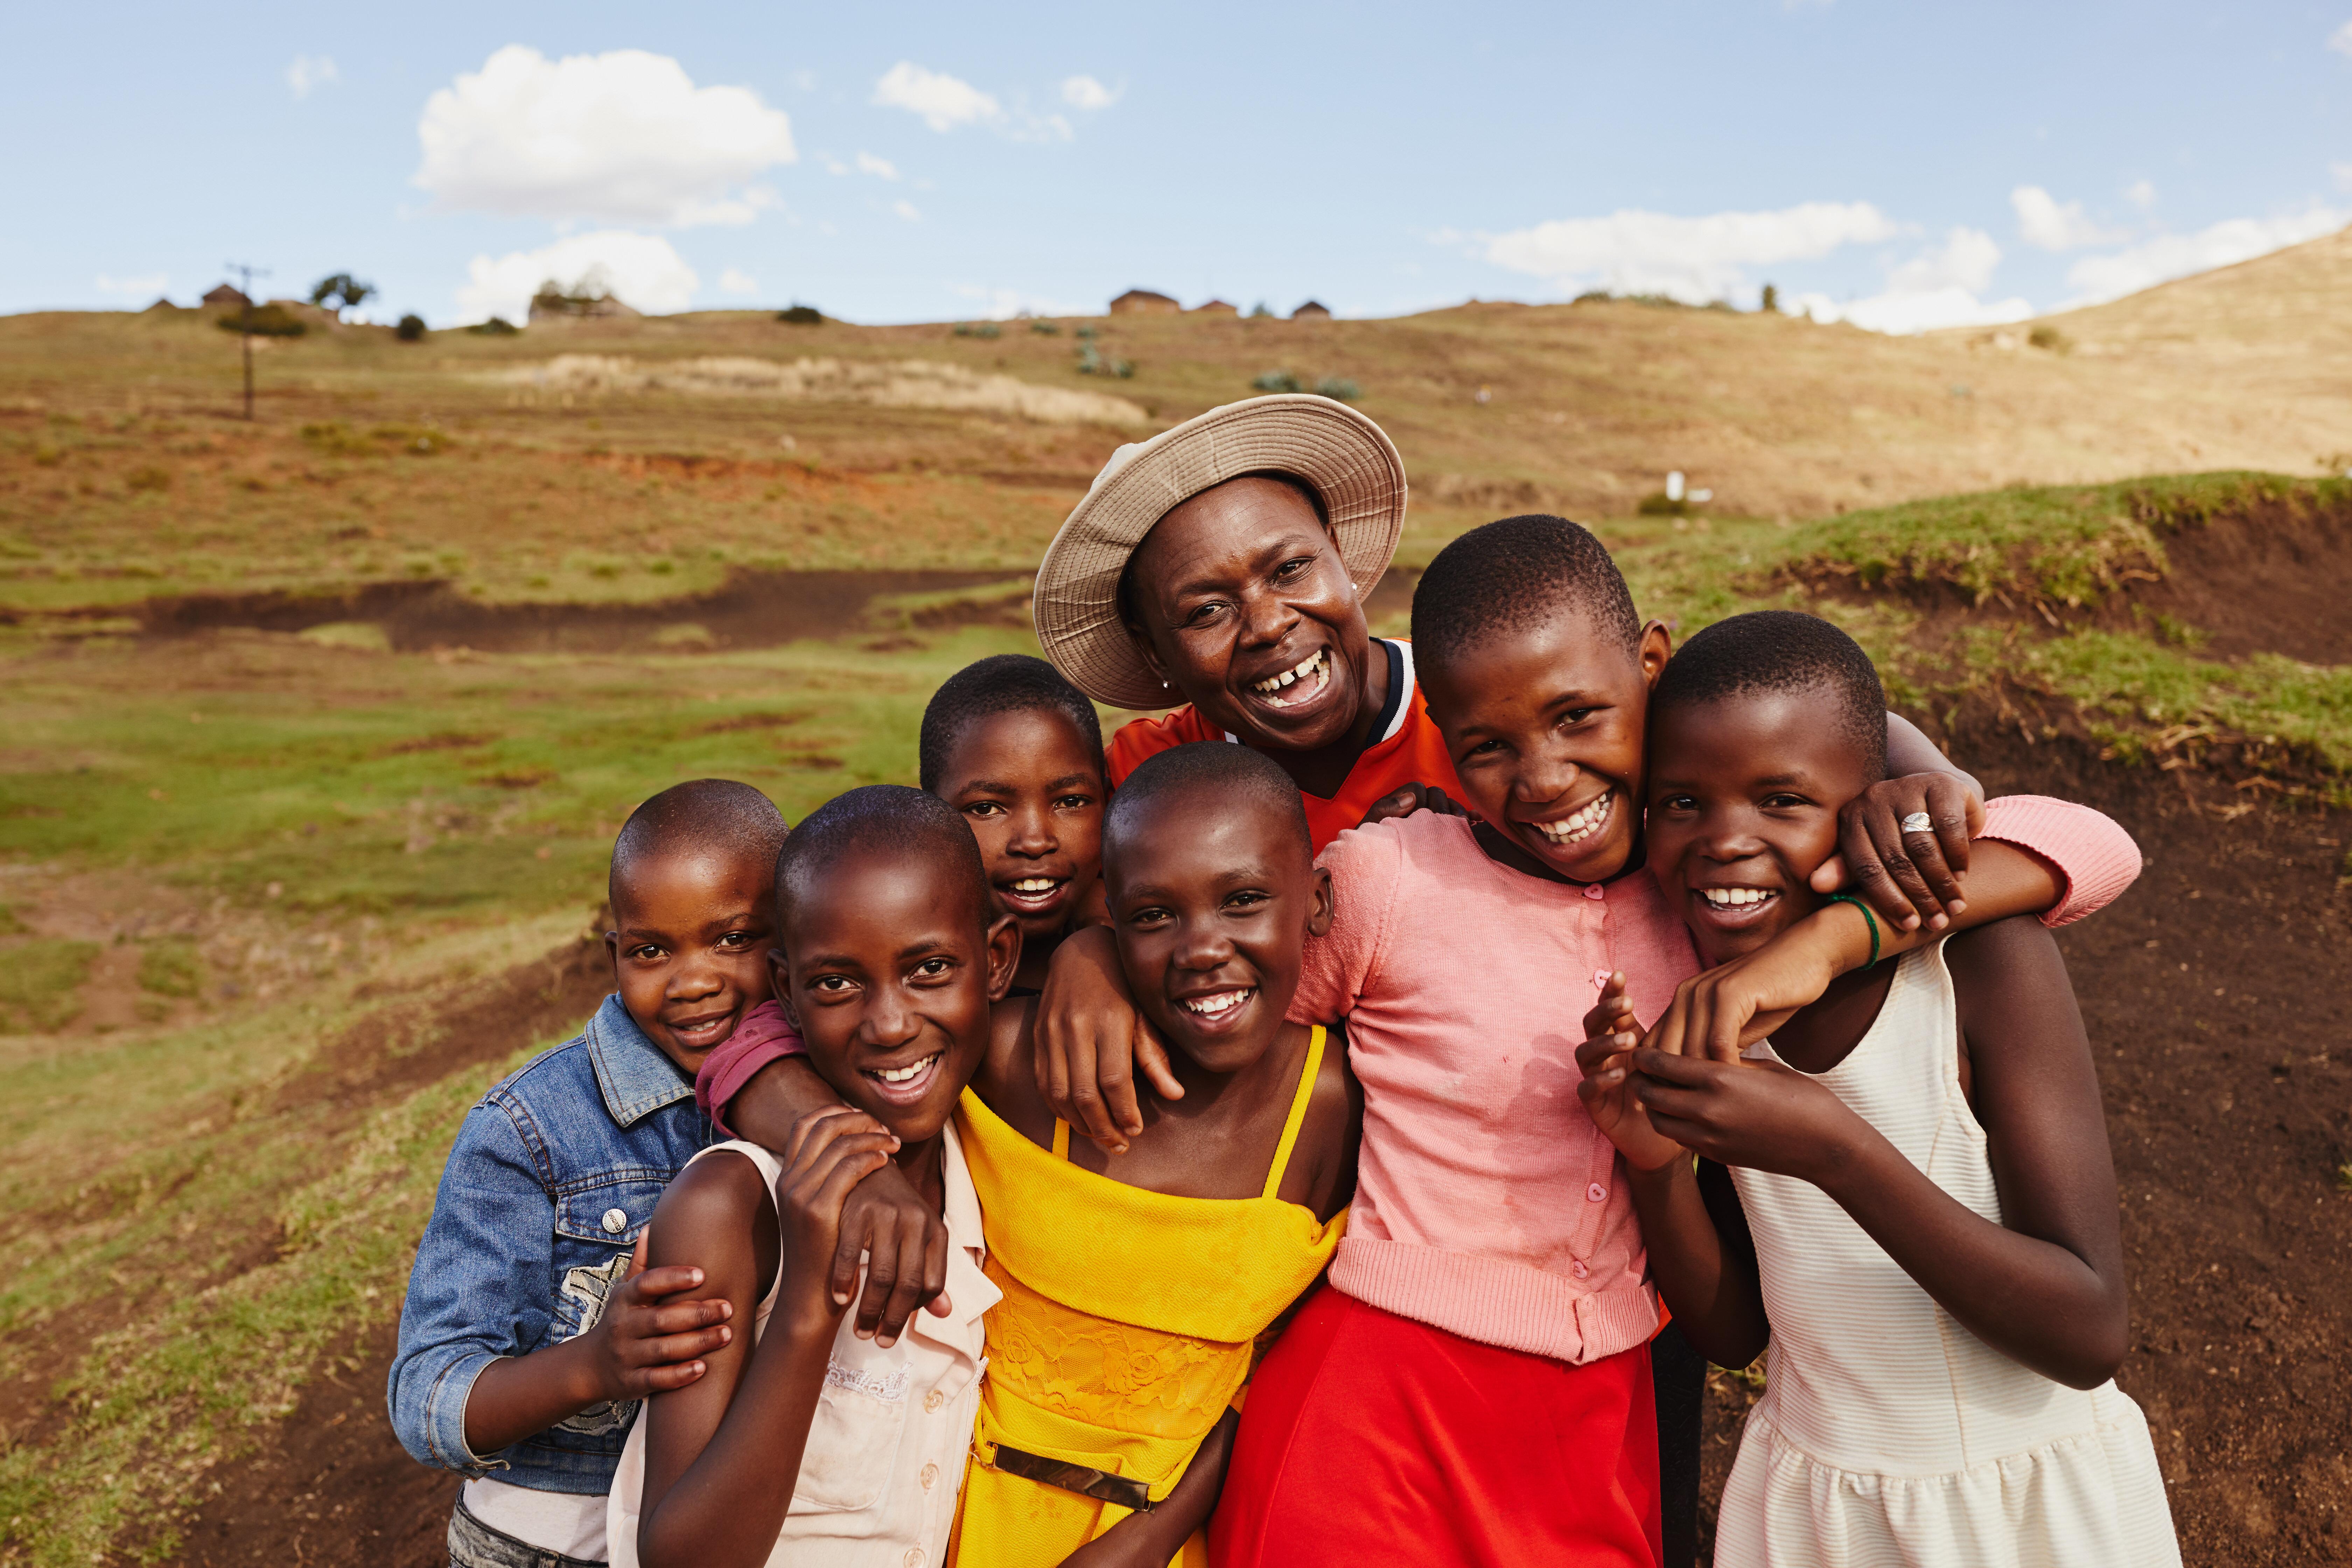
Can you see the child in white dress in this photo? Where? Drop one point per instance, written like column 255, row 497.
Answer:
column 1921, row 1213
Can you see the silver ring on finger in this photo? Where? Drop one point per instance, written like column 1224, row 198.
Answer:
column 1918, row 822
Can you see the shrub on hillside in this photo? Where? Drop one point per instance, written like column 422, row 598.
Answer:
column 1278, row 380
column 2051, row 338
column 411, row 328
column 263, row 321
column 495, row 327
column 1339, row 387
column 983, row 329
column 1658, row 503
column 801, row 316
column 1046, row 329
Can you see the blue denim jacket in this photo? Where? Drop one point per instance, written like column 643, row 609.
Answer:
column 553, row 1173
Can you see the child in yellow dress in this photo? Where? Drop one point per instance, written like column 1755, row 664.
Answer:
column 1136, row 1286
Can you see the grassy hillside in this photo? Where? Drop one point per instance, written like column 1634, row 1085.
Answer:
column 122, row 474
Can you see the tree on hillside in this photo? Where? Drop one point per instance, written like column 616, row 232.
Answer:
column 344, row 289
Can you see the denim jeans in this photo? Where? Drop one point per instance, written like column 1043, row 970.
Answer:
column 473, row 1545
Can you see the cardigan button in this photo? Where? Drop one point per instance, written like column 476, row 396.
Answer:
column 1596, row 1194
column 1578, row 1269
column 1592, row 890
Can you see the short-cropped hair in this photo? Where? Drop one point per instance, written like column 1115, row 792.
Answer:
column 1241, row 778
column 1512, row 576
column 1004, row 683
column 887, row 819
column 1772, row 651
column 703, row 816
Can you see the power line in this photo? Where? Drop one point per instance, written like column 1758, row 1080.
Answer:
column 245, row 323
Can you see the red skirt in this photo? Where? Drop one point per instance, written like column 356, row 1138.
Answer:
column 1368, row 1438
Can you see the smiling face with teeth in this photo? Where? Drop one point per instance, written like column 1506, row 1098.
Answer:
column 887, row 961
column 690, row 946
column 1032, row 790
column 1546, row 725
column 1213, row 895
column 1239, row 601
column 1743, row 807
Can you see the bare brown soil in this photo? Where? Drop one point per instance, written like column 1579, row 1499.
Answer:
column 752, row 609
column 328, row 1486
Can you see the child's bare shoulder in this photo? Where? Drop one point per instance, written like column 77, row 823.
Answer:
column 713, row 1203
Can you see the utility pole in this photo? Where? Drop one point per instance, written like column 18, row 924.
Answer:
column 245, row 324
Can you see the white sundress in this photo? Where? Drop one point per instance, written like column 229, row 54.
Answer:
column 1888, row 1433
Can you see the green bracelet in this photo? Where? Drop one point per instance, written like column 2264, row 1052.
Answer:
column 1868, row 919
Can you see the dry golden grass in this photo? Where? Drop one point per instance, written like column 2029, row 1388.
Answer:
column 123, row 472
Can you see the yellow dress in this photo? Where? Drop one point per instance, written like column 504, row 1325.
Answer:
column 1126, row 1328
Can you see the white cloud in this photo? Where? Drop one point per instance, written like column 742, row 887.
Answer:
column 2097, row 278
column 641, row 270
column 880, row 168
column 1085, row 92
column 2141, row 194
column 2042, row 221
column 741, row 285
column 1694, row 259
column 2340, row 40
column 624, row 137
column 906, row 209
column 943, row 101
column 138, row 286
column 1940, row 287
column 309, row 72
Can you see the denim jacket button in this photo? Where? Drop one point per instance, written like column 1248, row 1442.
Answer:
column 615, row 1222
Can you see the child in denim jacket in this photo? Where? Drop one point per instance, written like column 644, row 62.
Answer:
column 532, row 1331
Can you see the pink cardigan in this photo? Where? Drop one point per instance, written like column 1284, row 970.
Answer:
column 1487, row 1202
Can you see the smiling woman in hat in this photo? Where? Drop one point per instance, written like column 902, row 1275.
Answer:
column 1223, row 566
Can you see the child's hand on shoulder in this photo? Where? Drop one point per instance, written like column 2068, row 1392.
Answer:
column 1606, row 1059
column 648, row 1343
column 1908, row 869
column 830, row 1151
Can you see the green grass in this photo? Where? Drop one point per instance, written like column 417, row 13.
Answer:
column 40, row 981
column 170, row 967
column 2072, row 544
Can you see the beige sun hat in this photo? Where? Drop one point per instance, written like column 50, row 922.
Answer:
column 1349, row 459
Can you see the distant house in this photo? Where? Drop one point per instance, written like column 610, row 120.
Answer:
column 1143, row 302
column 1313, row 310
column 1214, row 308
column 225, row 299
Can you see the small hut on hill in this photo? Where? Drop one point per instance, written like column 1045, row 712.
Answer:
column 1313, row 310
column 1143, row 302
column 1214, row 308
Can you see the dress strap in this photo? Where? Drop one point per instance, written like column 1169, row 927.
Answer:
column 1061, row 1139
column 1298, row 1102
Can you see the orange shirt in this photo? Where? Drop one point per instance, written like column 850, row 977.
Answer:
column 1406, row 749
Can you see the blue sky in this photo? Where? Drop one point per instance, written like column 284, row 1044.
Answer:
column 1902, row 165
